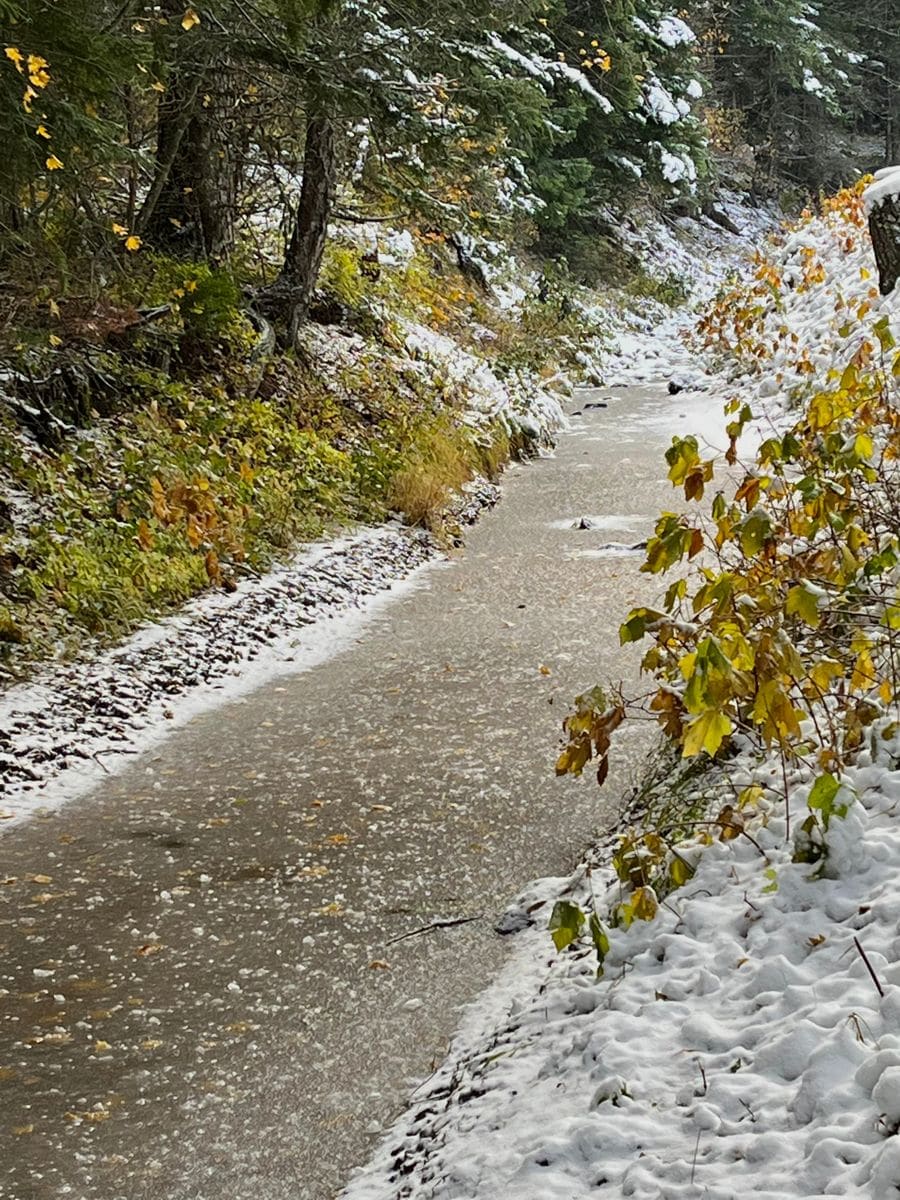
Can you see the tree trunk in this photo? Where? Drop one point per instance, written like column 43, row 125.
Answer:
column 884, row 226
column 193, row 211
column 890, row 53
column 307, row 245
column 190, row 209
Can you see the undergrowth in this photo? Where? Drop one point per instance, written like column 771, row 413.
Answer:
column 170, row 456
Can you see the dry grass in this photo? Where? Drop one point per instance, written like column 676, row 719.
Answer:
column 440, row 463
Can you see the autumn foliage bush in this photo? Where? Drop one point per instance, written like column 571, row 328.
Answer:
column 782, row 638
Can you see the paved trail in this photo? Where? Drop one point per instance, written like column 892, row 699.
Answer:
column 228, row 1017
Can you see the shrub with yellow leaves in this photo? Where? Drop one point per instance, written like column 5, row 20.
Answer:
column 785, row 636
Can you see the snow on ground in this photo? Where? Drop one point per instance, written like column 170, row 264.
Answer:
column 695, row 254
column 735, row 1045
column 745, row 1040
column 517, row 402
column 816, row 302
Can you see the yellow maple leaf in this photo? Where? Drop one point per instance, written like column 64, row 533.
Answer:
column 43, row 131
column 133, row 243
column 824, row 672
column 54, row 164
column 707, row 733
column 864, row 673
column 190, row 19
column 15, row 56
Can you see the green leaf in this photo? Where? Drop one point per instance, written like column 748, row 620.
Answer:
column 566, row 923
column 633, row 629
column 676, row 591
column 823, row 792
column 822, row 798
column 803, row 604
column 756, row 529
column 600, row 939
column 680, row 871
column 636, row 625
column 682, row 456
column 882, row 328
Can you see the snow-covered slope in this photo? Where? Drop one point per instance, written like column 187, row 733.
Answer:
column 815, row 303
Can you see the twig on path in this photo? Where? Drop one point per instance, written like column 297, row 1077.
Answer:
column 440, row 924
column 113, row 750
column 702, row 1076
column 869, row 967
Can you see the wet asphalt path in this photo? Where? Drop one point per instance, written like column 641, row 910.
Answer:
column 199, row 996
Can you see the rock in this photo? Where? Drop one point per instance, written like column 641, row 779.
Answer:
column 513, row 920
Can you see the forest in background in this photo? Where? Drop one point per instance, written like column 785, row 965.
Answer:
column 210, row 132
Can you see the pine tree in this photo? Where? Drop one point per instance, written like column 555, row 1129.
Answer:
column 785, row 67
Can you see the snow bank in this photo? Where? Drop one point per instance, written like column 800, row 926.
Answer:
column 517, row 401
column 735, row 1045
column 62, row 732
column 885, row 187
column 814, row 306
